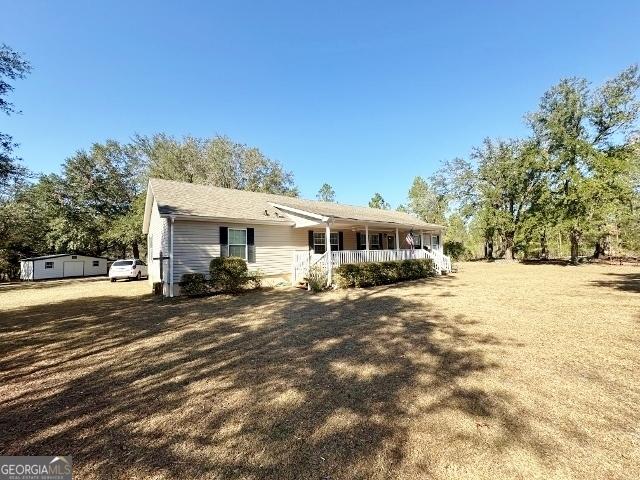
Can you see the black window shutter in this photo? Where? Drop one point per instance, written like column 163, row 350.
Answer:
column 340, row 241
column 251, row 246
column 224, row 242
column 380, row 241
column 358, row 242
column 310, row 239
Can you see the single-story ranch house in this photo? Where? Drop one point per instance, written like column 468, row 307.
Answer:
column 281, row 236
column 62, row 265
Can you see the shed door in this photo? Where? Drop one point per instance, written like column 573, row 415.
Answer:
column 72, row 269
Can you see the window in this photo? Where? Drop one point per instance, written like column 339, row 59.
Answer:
column 435, row 241
column 374, row 241
column 122, row 263
column 96, row 263
column 48, row 265
column 319, row 242
column 74, row 257
column 238, row 243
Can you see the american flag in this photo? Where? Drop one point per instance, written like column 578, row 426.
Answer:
column 409, row 240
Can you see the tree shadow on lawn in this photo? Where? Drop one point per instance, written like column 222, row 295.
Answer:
column 277, row 384
column 626, row 282
column 44, row 284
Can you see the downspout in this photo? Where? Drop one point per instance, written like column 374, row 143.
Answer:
column 171, row 225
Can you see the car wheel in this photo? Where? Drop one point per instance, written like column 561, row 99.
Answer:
column 113, row 280
column 138, row 276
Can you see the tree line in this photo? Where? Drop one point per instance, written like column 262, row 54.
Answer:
column 572, row 185
column 95, row 205
column 575, row 178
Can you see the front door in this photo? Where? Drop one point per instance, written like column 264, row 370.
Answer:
column 435, row 242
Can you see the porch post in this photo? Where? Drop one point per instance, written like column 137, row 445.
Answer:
column 397, row 239
column 329, row 256
column 366, row 239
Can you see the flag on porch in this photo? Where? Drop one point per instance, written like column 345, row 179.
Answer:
column 409, row 239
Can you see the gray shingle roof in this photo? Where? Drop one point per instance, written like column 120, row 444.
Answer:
column 189, row 199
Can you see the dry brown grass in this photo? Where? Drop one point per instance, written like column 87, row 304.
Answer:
column 499, row 371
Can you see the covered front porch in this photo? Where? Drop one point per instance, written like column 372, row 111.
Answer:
column 357, row 235
column 342, row 242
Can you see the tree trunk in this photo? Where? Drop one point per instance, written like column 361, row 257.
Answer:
column 508, row 246
column 488, row 249
column 575, row 244
column 544, row 247
column 599, row 249
column 136, row 250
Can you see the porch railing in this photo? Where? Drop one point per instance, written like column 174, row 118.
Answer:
column 303, row 260
column 362, row 256
column 442, row 263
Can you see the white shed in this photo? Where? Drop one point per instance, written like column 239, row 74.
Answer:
column 62, row 266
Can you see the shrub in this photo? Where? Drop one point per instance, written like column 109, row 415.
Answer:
column 194, row 284
column 230, row 274
column 316, row 279
column 456, row 250
column 382, row 273
column 255, row 279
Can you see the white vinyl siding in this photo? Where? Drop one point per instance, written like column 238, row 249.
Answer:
column 197, row 242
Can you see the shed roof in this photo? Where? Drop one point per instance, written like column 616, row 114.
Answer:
column 57, row 255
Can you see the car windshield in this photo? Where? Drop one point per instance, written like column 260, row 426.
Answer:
column 122, row 263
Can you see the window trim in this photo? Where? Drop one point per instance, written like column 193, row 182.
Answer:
column 49, row 265
column 246, row 243
column 95, row 263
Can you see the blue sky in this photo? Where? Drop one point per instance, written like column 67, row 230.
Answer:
column 363, row 95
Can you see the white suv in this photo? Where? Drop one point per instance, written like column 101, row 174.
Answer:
column 129, row 269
